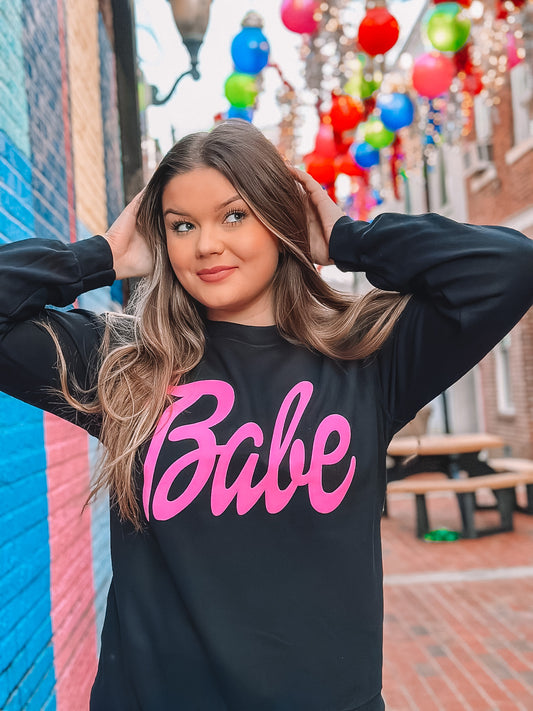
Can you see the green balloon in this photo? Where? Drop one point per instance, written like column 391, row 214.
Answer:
column 357, row 85
column 447, row 29
column 240, row 89
column 376, row 135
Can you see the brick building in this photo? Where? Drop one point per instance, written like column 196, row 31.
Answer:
column 62, row 158
column 484, row 178
column 500, row 191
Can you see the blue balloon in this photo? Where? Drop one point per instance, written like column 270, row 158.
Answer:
column 364, row 155
column 377, row 196
column 235, row 112
column 397, row 110
column 249, row 50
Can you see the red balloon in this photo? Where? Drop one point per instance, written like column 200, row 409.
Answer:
column 345, row 112
column 325, row 144
column 320, row 168
column 473, row 83
column 331, row 192
column 378, row 31
column 346, row 165
column 504, row 8
column 462, row 59
column 432, row 74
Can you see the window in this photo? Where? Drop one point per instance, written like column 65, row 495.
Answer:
column 482, row 120
column 504, row 390
column 521, row 96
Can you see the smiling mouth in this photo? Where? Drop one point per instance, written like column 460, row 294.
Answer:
column 215, row 274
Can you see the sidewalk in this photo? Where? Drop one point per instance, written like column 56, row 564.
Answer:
column 458, row 615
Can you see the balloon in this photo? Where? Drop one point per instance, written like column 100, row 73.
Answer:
column 376, row 135
column 462, row 59
column 345, row 112
column 432, row 74
column 320, row 168
column 397, row 110
column 358, row 86
column 376, row 196
column 364, row 155
column 346, row 165
column 447, row 27
column 240, row 89
column 325, row 145
column 504, row 7
column 300, row 15
column 473, row 83
column 378, row 31
column 512, row 53
column 245, row 114
column 249, row 50
column 464, row 3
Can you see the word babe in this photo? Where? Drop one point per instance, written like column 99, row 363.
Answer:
column 213, row 459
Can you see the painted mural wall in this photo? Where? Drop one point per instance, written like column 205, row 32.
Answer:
column 60, row 178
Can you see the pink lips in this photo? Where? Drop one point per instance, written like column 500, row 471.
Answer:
column 215, row 274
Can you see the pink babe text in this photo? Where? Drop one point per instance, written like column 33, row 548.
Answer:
column 213, row 459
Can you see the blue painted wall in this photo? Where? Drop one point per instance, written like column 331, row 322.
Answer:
column 34, row 202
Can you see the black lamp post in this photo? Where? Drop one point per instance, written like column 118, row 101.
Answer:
column 191, row 18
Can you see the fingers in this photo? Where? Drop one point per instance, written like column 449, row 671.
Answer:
column 309, row 184
column 133, row 205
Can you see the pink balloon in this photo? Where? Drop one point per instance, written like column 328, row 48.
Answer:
column 432, row 74
column 298, row 15
column 512, row 54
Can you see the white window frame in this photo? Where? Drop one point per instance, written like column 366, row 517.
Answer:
column 521, row 95
column 482, row 120
column 504, row 377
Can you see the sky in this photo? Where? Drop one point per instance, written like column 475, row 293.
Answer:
column 162, row 57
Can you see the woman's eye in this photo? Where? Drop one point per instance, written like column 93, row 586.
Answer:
column 235, row 216
column 182, row 227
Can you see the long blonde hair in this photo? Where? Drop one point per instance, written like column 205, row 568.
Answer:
column 161, row 337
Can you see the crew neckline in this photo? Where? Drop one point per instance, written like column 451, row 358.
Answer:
column 254, row 335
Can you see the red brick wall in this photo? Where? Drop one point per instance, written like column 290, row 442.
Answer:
column 512, row 191
column 516, row 429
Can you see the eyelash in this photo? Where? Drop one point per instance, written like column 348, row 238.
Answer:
column 235, row 211
column 176, row 225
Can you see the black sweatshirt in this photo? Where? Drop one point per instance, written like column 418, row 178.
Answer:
column 256, row 584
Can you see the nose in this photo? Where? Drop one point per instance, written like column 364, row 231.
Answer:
column 208, row 242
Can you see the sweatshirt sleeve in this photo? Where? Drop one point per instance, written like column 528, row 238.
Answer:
column 34, row 274
column 470, row 285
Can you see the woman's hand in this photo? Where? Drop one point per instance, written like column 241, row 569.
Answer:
column 322, row 214
column 131, row 255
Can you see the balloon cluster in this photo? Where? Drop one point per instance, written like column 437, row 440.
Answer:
column 447, row 28
column 355, row 129
column 249, row 51
column 363, row 124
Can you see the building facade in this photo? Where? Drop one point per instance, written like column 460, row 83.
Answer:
column 60, row 178
column 485, row 177
column 500, row 191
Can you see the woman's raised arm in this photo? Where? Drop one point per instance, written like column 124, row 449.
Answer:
column 470, row 285
column 35, row 273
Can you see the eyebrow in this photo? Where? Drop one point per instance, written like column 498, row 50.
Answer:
column 174, row 211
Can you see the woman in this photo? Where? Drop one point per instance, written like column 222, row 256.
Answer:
column 246, row 409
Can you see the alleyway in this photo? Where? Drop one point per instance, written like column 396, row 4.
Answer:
column 458, row 615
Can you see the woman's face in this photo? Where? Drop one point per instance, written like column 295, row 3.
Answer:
column 219, row 251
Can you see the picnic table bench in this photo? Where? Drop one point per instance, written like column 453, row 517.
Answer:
column 502, row 484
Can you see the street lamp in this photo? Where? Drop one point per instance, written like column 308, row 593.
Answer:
column 191, row 18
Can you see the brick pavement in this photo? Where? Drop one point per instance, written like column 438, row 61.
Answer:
column 458, row 615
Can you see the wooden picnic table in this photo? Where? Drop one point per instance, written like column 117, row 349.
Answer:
column 448, row 453
column 456, row 455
